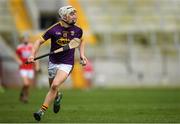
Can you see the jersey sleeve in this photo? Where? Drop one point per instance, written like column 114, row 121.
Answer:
column 18, row 52
column 47, row 34
column 80, row 33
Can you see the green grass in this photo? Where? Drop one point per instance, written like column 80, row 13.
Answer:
column 97, row 105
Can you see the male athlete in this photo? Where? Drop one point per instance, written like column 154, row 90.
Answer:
column 60, row 64
column 27, row 72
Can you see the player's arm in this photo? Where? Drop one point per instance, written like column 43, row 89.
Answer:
column 83, row 58
column 74, row 43
column 17, row 59
column 35, row 49
column 16, row 56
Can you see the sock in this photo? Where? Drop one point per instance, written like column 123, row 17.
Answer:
column 44, row 107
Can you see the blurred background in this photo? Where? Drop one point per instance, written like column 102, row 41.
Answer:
column 129, row 43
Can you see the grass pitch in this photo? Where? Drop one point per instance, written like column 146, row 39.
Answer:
column 97, row 105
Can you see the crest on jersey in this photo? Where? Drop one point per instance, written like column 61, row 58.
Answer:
column 65, row 34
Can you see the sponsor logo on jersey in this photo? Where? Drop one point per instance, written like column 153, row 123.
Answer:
column 63, row 41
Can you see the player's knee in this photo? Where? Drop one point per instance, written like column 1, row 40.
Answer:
column 26, row 85
column 54, row 87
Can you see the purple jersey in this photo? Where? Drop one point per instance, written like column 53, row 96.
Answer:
column 61, row 36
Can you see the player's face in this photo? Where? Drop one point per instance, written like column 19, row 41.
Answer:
column 72, row 18
column 25, row 40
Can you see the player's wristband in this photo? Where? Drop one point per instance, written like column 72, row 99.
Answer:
column 66, row 47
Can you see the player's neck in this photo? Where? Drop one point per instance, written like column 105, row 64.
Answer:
column 64, row 24
column 25, row 44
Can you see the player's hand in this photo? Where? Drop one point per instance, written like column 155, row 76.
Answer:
column 31, row 59
column 84, row 60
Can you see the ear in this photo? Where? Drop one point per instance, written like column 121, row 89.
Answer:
column 65, row 17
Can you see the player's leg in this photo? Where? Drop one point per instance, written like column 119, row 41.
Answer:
column 60, row 77
column 58, row 80
column 30, row 76
column 57, row 101
column 28, row 80
column 52, row 69
column 25, row 87
column 24, row 90
column 43, row 108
